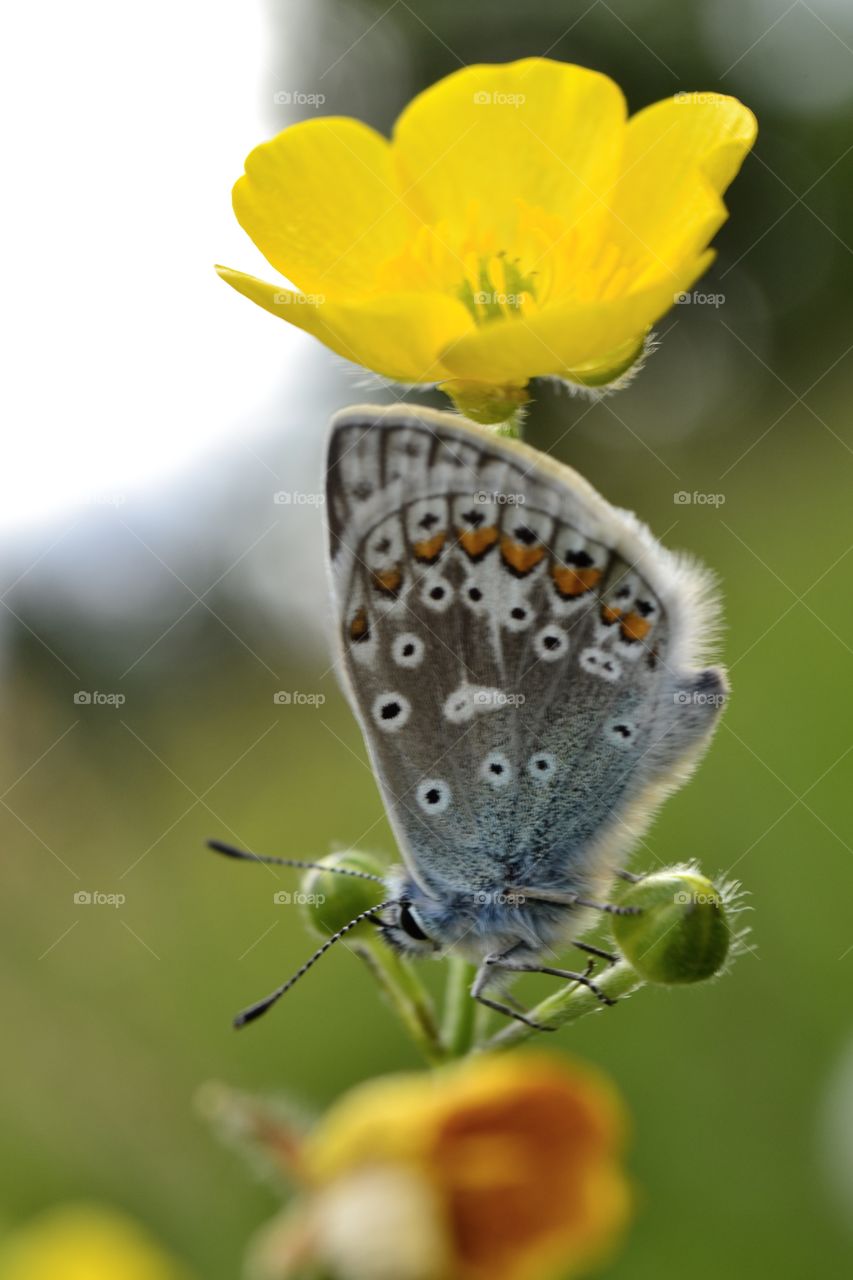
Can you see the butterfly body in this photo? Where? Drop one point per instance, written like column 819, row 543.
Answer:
column 483, row 922
column 522, row 657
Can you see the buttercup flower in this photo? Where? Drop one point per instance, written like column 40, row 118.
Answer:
column 503, row 1168
column 85, row 1242
column 516, row 225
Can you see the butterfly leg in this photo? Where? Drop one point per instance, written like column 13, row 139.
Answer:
column 609, row 956
column 485, row 976
column 609, row 908
column 521, row 966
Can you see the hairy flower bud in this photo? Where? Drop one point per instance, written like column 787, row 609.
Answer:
column 681, row 932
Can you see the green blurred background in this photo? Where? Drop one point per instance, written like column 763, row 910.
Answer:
column 741, row 1091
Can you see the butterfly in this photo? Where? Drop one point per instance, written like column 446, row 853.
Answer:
column 525, row 661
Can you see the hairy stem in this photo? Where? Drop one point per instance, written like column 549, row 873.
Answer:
column 459, row 1007
column 406, row 995
column 568, row 1004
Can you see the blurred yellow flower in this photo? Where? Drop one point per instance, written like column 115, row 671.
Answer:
column 504, row 1168
column 516, row 225
column 85, row 1242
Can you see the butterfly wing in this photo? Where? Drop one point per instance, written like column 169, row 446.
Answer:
column 522, row 656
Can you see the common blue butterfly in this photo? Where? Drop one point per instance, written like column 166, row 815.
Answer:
column 524, row 660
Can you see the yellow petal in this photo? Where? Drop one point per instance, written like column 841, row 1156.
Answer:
column 680, row 155
column 85, row 1242
column 319, row 202
column 566, row 336
column 548, row 131
column 398, row 335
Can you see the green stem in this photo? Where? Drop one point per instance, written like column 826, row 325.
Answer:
column 568, row 1004
column 407, row 997
column 459, row 1007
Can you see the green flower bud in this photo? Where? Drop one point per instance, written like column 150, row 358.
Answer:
column 330, row 900
column 489, row 405
column 680, row 934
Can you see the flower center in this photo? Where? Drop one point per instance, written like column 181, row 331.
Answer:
column 497, row 288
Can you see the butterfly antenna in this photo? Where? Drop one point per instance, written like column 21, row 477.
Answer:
column 255, row 1010
column 230, row 851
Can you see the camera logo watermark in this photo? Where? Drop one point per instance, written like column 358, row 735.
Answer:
column 500, row 499
column 498, row 898
column 96, row 698
column 700, row 98
column 493, row 298
column 297, row 98
column 493, row 698
column 697, row 299
column 296, row 498
column 485, row 99
column 283, row 898
column 295, row 698
column 682, row 498
column 87, row 898
column 284, row 298
column 695, row 698
column 105, row 499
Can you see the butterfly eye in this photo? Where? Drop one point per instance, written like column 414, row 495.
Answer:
column 410, row 923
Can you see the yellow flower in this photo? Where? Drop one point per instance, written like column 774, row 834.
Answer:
column 504, row 1168
column 517, row 225
column 85, row 1242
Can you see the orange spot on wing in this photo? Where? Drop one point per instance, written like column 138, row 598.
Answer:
column 478, row 542
column 430, row 548
column 521, row 559
column 388, row 581
column 635, row 627
column 609, row 615
column 359, row 627
column 574, row 582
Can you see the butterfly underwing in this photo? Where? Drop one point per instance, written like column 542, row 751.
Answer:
column 525, row 663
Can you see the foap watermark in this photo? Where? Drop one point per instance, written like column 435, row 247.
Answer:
column 494, row 298
column 500, row 499
column 296, row 698
column 297, row 98
column 683, row 899
column 682, row 498
column 284, row 298
column 107, row 498
column 701, row 98
column 298, row 498
column 483, row 98
column 94, row 898
column 492, row 698
column 498, row 898
column 694, row 297
column 283, row 898
column 97, row 698
column 696, row 698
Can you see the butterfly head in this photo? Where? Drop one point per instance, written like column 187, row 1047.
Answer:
column 470, row 922
column 413, row 922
